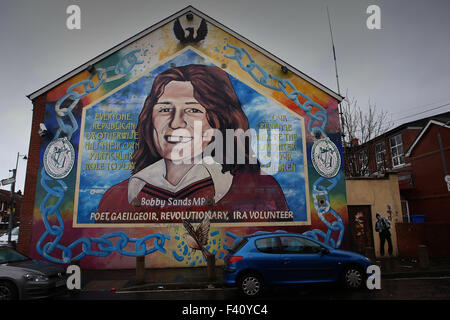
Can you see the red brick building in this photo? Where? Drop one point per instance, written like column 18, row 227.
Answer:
column 413, row 150
column 429, row 159
column 420, row 152
column 5, row 204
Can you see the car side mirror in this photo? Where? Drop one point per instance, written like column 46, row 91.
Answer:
column 324, row 251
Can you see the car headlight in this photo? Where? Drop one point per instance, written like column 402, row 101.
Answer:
column 35, row 277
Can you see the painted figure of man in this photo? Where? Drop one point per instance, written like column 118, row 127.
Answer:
column 382, row 227
column 167, row 171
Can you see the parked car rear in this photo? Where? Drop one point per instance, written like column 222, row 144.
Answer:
column 289, row 258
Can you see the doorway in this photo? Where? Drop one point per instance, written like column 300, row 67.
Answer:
column 360, row 223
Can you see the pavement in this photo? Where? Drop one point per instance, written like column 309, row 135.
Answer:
column 155, row 279
column 197, row 277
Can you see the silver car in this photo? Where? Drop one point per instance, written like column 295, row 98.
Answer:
column 24, row 278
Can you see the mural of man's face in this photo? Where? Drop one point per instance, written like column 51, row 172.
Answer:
column 175, row 115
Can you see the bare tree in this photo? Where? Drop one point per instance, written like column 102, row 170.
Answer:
column 359, row 127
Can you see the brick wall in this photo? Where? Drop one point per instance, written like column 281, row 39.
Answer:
column 26, row 217
column 430, row 195
column 433, row 235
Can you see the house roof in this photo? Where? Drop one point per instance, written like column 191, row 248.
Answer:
column 431, row 122
column 420, row 123
column 442, row 117
column 143, row 33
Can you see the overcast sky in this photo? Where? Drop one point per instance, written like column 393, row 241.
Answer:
column 403, row 68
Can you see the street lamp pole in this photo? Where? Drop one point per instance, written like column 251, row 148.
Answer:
column 13, row 186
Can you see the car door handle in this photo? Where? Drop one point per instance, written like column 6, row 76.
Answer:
column 286, row 261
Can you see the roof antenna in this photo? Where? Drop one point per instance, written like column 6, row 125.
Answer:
column 334, row 52
column 341, row 114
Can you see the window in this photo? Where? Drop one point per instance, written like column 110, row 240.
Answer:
column 397, row 151
column 238, row 245
column 380, row 154
column 267, row 245
column 405, row 211
column 351, row 169
column 15, row 231
column 298, row 245
column 363, row 163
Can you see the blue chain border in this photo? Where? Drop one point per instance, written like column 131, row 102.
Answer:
column 319, row 117
column 104, row 244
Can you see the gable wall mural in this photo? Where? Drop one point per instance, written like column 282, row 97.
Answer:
column 179, row 144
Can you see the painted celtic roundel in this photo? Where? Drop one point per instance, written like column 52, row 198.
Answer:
column 59, row 157
column 326, row 158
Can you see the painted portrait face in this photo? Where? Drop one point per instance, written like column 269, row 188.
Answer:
column 180, row 123
column 184, row 98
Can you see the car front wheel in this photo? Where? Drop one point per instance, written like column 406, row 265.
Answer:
column 251, row 285
column 353, row 277
column 8, row 291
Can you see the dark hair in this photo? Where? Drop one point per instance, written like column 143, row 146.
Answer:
column 214, row 91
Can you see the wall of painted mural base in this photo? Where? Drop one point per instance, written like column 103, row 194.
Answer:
column 139, row 159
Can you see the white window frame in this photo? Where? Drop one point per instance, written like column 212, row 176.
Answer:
column 400, row 155
column 407, row 210
column 380, row 160
column 363, row 161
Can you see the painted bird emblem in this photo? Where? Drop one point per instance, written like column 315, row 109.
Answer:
column 197, row 239
column 192, row 36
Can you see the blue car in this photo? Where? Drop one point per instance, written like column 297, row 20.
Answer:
column 288, row 258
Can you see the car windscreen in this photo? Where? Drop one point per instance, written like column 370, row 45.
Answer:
column 8, row 255
column 238, row 245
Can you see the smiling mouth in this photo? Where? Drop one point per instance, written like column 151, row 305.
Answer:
column 177, row 139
